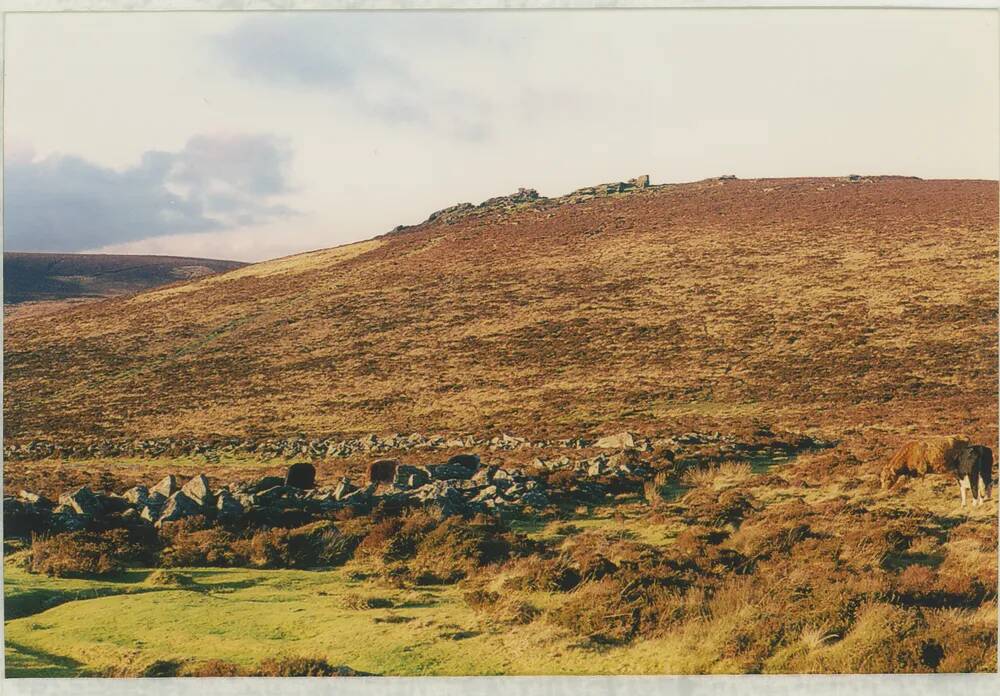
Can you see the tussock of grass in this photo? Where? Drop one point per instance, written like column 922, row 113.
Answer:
column 170, row 578
column 729, row 472
column 362, row 602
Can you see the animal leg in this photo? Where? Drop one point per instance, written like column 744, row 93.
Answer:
column 962, row 485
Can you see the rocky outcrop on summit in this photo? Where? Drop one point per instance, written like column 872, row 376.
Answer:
column 527, row 196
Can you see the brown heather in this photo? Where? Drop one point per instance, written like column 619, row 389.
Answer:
column 804, row 303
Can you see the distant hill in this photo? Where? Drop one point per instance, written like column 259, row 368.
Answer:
column 799, row 303
column 30, row 277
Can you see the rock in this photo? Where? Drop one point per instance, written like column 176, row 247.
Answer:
column 382, row 471
column 514, row 491
column 137, row 495
column 266, row 483
column 179, row 506
column 112, row 504
column 23, row 518
column 598, row 467
column 167, row 486
column 343, row 489
column 640, row 182
column 620, row 441
column 301, row 475
column 486, row 493
column 411, row 476
column 83, row 501
column 197, row 489
column 227, row 506
column 442, row 494
column 65, row 519
column 484, row 476
column 360, row 496
column 535, row 498
column 34, row 499
column 469, row 461
column 445, row 472
column 502, row 476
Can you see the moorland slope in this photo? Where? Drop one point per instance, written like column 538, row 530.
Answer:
column 809, row 304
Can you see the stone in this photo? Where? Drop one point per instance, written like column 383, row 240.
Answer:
column 484, row 476
column 445, row 472
column 502, row 475
column 65, row 519
column 469, row 461
column 597, row 467
column 359, row 496
column 411, row 476
column 83, row 501
column 343, row 489
column 137, row 495
column 301, row 475
column 35, row 499
column 197, row 489
column 167, row 486
column 382, row 471
column 535, row 499
column 640, row 182
column 622, row 440
column 486, row 493
column 227, row 506
column 179, row 506
column 266, row 483
column 112, row 504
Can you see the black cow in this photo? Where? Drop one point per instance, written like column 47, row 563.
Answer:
column 975, row 472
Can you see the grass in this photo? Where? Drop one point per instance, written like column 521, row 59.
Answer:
column 201, row 621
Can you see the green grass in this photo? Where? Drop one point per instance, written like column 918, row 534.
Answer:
column 244, row 616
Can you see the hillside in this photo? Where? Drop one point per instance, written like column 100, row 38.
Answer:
column 821, row 305
column 36, row 277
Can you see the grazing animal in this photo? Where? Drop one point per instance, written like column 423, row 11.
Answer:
column 382, row 471
column 974, row 472
column 931, row 455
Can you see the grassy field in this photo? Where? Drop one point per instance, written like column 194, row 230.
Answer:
column 190, row 620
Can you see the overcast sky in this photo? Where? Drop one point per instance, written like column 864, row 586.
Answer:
column 250, row 136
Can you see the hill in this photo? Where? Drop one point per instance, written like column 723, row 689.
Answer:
column 822, row 305
column 35, row 277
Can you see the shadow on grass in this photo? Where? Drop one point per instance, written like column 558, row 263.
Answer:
column 29, row 602
column 23, row 662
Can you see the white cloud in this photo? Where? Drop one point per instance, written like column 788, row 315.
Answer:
column 389, row 116
column 216, row 182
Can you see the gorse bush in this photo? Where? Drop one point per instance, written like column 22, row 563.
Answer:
column 312, row 545
column 92, row 554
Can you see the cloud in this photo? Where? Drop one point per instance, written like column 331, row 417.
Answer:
column 394, row 69
column 216, row 182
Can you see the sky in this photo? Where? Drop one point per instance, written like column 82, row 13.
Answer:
column 250, row 136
